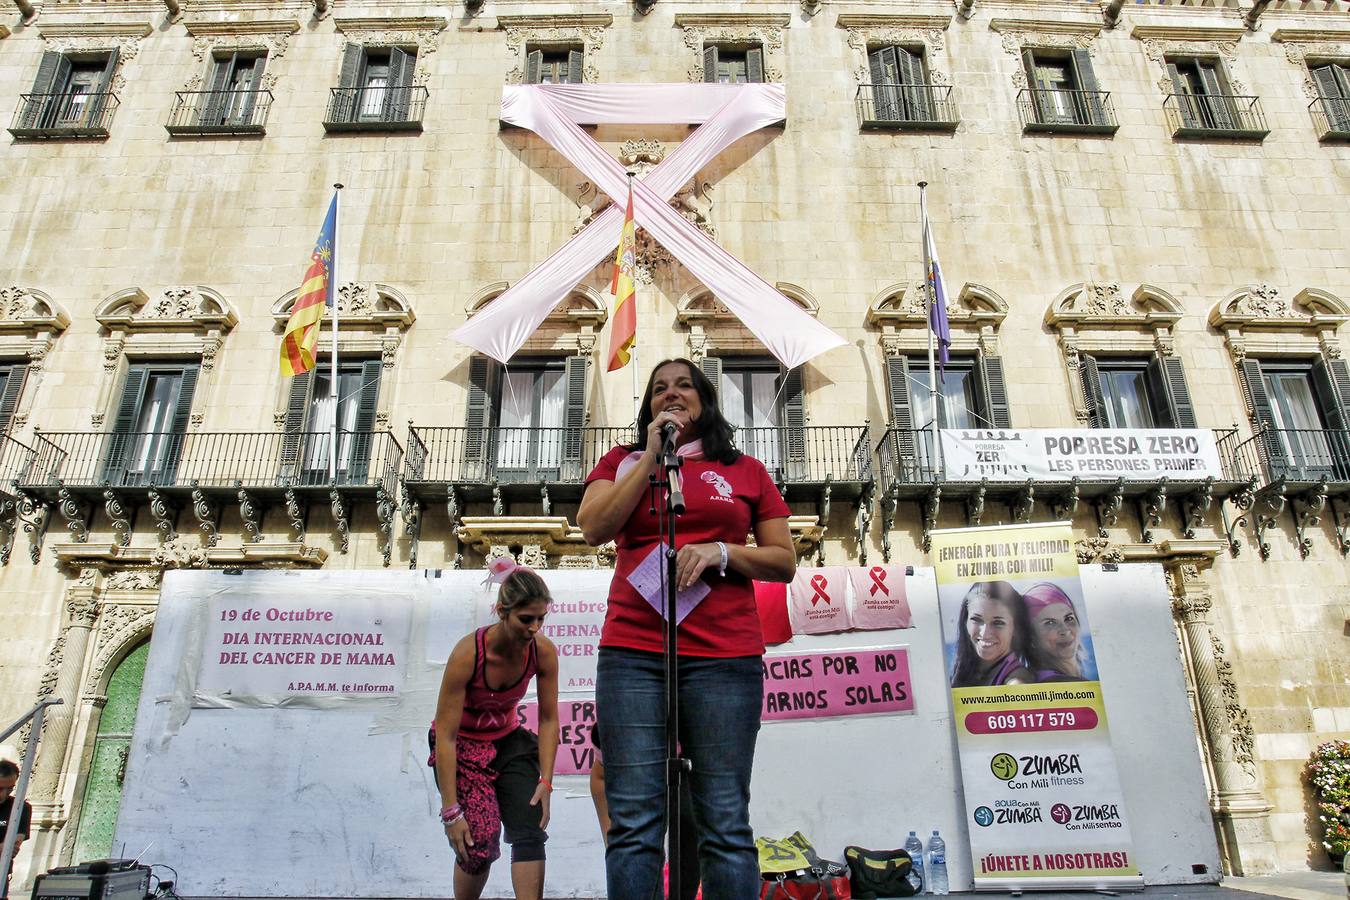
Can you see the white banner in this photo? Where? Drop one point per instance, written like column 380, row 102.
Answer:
column 1090, row 454
column 270, row 648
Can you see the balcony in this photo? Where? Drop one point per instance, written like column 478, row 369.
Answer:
column 219, row 112
column 376, row 109
column 910, row 472
column 906, row 107
column 1215, row 116
column 1066, row 111
column 170, row 472
column 1301, row 470
column 57, row 116
column 16, row 461
column 1331, row 117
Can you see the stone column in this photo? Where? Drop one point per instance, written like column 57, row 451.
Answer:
column 1240, row 811
column 61, row 680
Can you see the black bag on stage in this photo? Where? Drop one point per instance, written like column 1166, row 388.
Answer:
column 881, row 873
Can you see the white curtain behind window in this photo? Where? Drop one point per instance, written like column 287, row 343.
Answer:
column 155, row 421
column 552, row 409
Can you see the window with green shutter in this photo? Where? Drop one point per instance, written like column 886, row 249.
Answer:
column 12, row 378
column 233, row 86
column 1333, row 95
column 151, row 419
column 554, row 66
column 312, row 411
column 1064, row 91
column 733, row 65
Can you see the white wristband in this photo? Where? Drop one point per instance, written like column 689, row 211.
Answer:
column 722, row 565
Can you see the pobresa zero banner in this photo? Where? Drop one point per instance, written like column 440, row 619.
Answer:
column 1037, row 767
column 1101, row 454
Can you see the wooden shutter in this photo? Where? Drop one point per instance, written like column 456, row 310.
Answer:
column 917, row 95
column 398, row 93
column 178, row 425
column 994, row 391
column 349, row 83
column 368, row 403
column 1334, row 96
column 1221, row 107
column 478, row 424
column 52, row 76
column 1090, row 375
column 576, row 67
column 711, row 366
column 754, row 65
column 884, row 96
column 534, row 66
column 1167, row 379
column 216, row 100
column 297, row 408
column 576, row 371
column 794, row 424
column 1331, row 381
column 1088, row 104
column 12, row 391
column 255, row 87
column 99, row 102
column 902, row 418
column 1263, row 418
column 122, row 437
column 1186, row 102
column 709, row 63
column 1042, row 103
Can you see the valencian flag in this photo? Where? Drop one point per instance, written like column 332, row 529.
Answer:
column 314, row 299
column 623, row 330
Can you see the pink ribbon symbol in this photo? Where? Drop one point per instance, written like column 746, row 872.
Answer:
column 818, row 584
column 724, row 114
column 878, row 578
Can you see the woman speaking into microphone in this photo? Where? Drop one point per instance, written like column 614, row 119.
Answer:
column 727, row 496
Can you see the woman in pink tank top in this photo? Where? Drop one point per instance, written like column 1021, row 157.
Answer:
column 491, row 771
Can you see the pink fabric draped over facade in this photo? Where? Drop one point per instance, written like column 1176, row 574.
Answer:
column 725, row 113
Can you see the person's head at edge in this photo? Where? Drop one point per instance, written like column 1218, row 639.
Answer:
column 1055, row 629
column 992, row 624
column 9, row 776
column 522, row 603
column 679, row 385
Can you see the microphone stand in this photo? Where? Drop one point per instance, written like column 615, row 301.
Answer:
column 667, row 482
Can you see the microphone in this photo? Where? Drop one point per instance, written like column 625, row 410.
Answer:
column 668, row 432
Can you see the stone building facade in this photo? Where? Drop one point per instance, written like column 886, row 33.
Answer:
column 1141, row 212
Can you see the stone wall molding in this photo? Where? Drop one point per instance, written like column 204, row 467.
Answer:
column 564, row 30
column 765, row 29
column 422, row 32
column 866, row 32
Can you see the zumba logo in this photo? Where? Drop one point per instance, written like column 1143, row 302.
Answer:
column 1063, row 764
column 1061, row 813
column 1004, row 766
column 984, row 816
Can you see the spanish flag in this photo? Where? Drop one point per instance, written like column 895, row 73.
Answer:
column 315, row 297
column 623, row 329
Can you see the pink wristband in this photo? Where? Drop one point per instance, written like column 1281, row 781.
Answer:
column 451, row 813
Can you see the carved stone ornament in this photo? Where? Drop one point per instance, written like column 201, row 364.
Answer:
column 422, row 32
column 764, row 29
column 867, row 32
column 28, row 309
column 211, row 39
column 81, row 609
column 133, row 580
column 360, row 303
column 51, row 672
column 122, row 627
column 1242, row 734
column 177, row 555
column 1018, row 34
column 561, row 31
column 1097, row 550
column 906, row 305
column 97, row 37
column 1101, row 304
column 1320, row 44
column 1262, row 305
column 179, row 307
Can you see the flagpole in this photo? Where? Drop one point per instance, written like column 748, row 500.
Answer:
column 928, row 292
column 637, row 391
column 334, row 284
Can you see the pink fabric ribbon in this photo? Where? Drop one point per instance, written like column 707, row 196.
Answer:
column 691, row 450
column 725, row 113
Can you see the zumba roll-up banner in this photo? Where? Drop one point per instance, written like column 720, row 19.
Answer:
column 1041, row 786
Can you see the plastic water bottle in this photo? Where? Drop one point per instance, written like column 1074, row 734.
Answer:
column 937, row 864
column 914, row 847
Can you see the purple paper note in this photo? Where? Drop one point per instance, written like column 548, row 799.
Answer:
column 649, row 578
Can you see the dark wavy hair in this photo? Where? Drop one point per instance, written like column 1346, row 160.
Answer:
column 966, row 672
column 713, row 428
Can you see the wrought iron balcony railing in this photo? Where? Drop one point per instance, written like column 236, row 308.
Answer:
column 1215, row 115
column 906, row 458
column 64, row 115
column 1331, row 116
column 814, row 455
column 918, row 107
column 376, row 109
column 219, row 112
column 507, row 455
column 16, row 461
column 1298, row 454
column 1079, row 112
column 213, row 459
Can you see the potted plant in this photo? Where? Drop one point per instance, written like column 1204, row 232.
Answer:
column 1328, row 772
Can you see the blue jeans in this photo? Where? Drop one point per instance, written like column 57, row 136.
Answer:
column 720, row 702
